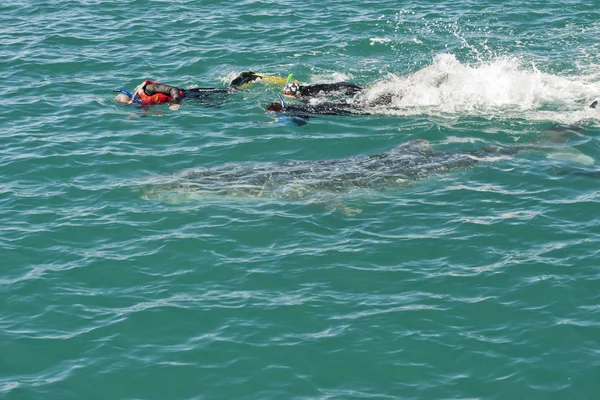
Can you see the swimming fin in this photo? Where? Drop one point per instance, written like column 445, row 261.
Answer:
column 244, row 77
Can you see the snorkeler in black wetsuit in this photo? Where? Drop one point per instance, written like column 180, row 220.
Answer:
column 150, row 92
column 299, row 114
column 304, row 110
column 294, row 89
column 338, row 88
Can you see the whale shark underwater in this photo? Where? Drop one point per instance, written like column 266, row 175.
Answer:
column 403, row 165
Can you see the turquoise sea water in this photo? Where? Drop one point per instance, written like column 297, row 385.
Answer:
column 480, row 283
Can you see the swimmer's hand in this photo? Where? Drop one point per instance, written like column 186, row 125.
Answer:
column 174, row 107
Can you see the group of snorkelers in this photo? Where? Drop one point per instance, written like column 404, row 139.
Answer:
column 153, row 93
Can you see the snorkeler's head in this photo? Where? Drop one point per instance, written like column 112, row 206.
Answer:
column 292, row 89
column 275, row 107
column 123, row 99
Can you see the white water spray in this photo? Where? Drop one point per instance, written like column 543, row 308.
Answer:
column 505, row 87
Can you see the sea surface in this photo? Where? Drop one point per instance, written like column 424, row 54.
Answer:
column 479, row 283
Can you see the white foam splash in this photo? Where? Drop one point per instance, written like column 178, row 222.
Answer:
column 506, row 87
column 329, row 77
column 379, row 40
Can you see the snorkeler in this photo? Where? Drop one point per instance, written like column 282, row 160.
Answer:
column 339, row 88
column 338, row 107
column 151, row 93
column 299, row 114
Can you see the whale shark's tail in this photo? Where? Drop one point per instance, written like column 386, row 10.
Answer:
column 554, row 142
column 550, row 148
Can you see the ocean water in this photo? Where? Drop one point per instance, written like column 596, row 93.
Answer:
column 480, row 283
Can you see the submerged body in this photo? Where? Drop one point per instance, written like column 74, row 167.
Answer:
column 401, row 166
column 406, row 163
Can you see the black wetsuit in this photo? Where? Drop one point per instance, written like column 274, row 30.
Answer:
column 344, row 88
column 197, row 93
column 327, row 108
column 304, row 110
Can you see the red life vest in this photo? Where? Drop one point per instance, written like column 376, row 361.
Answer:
column 157, row 98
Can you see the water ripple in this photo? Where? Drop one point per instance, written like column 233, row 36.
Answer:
column 480, row 283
